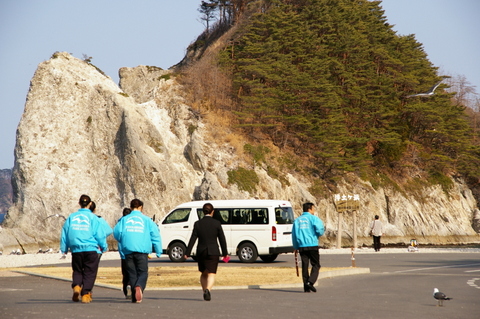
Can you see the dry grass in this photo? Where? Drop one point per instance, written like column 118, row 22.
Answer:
column 160, row 277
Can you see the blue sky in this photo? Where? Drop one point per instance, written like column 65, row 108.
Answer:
column 125, row 33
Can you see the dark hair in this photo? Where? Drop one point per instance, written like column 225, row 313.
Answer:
column 376, row 217
column 93, row 206
column 135, row 203
column 207, row 209
column 84, row 201
column 307, row 207
column 126, row 211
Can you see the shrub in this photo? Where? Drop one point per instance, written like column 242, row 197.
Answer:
column 257, row 152
column 246, row 180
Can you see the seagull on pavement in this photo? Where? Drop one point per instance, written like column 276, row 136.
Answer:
column 428, row 93
column 440, row 296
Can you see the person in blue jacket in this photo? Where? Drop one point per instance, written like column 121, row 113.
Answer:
column 306, row 230
column 126, row 288
column 84, row 236
column 106, row 227
column 136, row 233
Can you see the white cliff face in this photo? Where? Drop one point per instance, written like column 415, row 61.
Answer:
column 81, row 134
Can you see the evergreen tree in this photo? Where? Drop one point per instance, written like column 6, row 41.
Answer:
column 330, row 77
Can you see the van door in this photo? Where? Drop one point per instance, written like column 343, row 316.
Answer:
column 176, row 229
column 283, row 224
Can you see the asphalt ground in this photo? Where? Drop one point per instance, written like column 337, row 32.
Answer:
column 398, row 286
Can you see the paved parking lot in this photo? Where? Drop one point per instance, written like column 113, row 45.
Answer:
column 399, row 286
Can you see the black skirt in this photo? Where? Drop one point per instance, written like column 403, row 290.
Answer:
column 207, row 262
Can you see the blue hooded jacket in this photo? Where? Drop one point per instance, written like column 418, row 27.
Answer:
column 82, row 231
column 136, row 233
column 306, row 230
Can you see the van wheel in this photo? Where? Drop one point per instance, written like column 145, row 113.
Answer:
column 247, row 253
column 268, row 258
column 176, row 252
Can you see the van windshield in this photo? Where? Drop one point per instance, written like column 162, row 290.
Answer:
column 177, row 216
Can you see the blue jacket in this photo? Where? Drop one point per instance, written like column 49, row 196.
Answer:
column 106, row 227
column 82, row 231
column 137, row 233
column 306, row 230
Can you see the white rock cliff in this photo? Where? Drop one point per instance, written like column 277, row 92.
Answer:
column 81, row 134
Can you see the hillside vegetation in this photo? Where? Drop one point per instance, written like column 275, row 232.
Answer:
column 329, row 81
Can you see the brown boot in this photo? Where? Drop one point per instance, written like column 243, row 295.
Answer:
column 87, row 298
column 76, row 293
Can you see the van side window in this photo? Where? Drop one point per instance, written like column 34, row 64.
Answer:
column 284, row 215
column 255, row 216
column 219, row 214
column 177, row 216
column 238, row 216
column 259, row 216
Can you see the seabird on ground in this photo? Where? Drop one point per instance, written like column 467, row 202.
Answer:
column 428, row 93
column 440, row 296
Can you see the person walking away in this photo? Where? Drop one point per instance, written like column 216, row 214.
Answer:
column 207, row 230
column 106, row 227
column 306, row 230
column 136, row 233
column 125, row 279
column 84, row 236
column 376, row 229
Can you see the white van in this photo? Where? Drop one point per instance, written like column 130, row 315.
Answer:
column 252, row 228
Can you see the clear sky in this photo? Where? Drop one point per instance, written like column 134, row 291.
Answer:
column 126, row 33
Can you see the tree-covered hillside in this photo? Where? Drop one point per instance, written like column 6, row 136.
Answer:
column 330, row 81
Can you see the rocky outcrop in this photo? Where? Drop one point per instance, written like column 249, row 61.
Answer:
column 5, row 190
column 82, row 134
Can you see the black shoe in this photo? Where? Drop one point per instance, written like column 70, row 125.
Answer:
column 310, row 286
column 306, row 288
column 206, row 295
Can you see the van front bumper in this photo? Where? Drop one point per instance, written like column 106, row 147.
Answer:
column 281, row 250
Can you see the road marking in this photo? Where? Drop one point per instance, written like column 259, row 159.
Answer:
column 472, row 283
column 419, row 269
column 477, row 270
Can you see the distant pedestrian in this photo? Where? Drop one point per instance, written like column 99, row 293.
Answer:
column 209, row 232
column 84, row 235
column 306, row 230
column 136, row 233
column 376, row 230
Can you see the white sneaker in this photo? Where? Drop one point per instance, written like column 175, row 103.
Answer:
column 129, row 292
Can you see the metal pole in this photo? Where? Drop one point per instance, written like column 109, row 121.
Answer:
column 339, row 233
column 355, row 245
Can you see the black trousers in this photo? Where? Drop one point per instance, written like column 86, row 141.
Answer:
column 312, row 256
column 125, row 278
column 376, row 243
column 137, row 268
column 85, row 268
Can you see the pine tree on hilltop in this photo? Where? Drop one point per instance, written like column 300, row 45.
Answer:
column 330, row 77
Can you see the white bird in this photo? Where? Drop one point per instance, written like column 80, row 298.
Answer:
column 440, row 296
column 428, row 93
